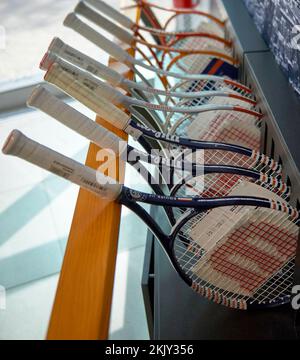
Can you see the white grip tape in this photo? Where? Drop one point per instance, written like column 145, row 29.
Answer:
column 56, row 45
column 104, row 23
column 86, row 62
column 48, row 59
column 111, row 12
column 135, row 133
column 73, row 22
column 43, row 100
column 103, row 89
column 19, row 145
column 88, row 96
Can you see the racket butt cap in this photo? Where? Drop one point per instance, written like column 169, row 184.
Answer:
column 48, row 73
column 70, row 19
column 56, row 45
column 47, row 60
column 13, row 143
column 36, row 96
column 80, row 7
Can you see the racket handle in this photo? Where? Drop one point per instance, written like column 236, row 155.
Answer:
column 19, row 145
column 43, row 100
column 59, row 48
column 87, row 94
column 104, row 23
column 104, row 90
column 112, row 13
column 49, row 59
column 73, row 22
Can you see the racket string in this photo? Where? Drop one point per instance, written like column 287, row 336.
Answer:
column 209, row 85
column 221, row 185
column 198, row 218
column 201, row 25
column 266, row 231
column 196, row 63
column 220, row 125
column 220, row 100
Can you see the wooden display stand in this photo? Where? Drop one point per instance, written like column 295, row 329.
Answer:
column 84, row 295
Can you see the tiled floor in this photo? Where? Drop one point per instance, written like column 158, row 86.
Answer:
column 128, row 319
column 28, row 309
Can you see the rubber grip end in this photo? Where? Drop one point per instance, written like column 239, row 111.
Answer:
column 56, row 45
column 36, row 96
column 13, row 143
column 70, row 19
column 47, row 60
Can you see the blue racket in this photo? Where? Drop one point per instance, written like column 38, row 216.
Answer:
column 237, row 251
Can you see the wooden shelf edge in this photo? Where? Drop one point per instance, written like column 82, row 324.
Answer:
column 83, row 298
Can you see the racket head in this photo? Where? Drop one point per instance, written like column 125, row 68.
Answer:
column 203, row 40
column 246, row 261
column 225, row 182
column 195, row 21
column 238, row 126
column 233, row 89
column 211, row 62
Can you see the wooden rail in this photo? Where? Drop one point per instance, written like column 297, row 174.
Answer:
column 84, row 295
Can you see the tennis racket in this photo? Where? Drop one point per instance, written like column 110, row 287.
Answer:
column 237, row 251
column 195, row 98
column 120, row 120
column 213, row 85
column 58, row 49
column 190, row 64
column 200, row 47
column 208, row 180
column 195, row 87
column 181, row 177
column 244, row 132
column 202, row 56
column 238, row 127
column 119, row 99
column 72, row 21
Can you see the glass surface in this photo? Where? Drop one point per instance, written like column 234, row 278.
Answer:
column 36, row 210
column 26, row 29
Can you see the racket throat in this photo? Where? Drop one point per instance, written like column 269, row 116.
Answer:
column 129, row 199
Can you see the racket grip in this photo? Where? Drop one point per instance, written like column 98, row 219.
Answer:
column 48, row 59
column 73, row 22
column 43, row 100
column 87, row 94
column 104, row 23
column 112, row 13
column 19, row 145
column 104, row 90
column 59, row 48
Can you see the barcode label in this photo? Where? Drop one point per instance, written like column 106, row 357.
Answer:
column 92, row 69
column 61, row 170
column 92, row 184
